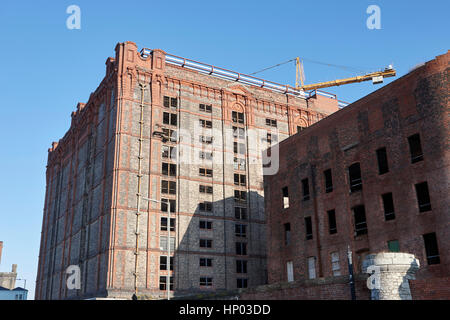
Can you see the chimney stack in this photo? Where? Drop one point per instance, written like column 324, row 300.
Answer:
column 14, row 268
column 1, row 247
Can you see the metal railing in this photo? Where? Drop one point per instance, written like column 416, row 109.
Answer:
column 226, row 74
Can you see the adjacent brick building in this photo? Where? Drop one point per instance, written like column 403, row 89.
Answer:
column 122, row 147
column 374, row 176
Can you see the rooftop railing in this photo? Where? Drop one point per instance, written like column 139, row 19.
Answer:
column 226, row 74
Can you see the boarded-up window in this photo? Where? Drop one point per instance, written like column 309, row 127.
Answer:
column 335, row 265
column 393, row 246
column 290, row 271
column 312, row 267
column 163, row 243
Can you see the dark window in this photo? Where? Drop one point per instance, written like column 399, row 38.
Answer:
column 169, row 169
column 240, row 196
column 382, row 161
column 165, row 205
column 205, row 172
column 423, row 197
column 205, row 123
column 205, row 224
column 237, row 117
column 300, row 128
column 354, row 172
column 241, row 248
column 205, row 206
column 285, row 192
column 205, row 108
column 205, row 282
column 164, row 224
column 205, row 189
column 328, row 180
column 431, row 248
column 239, row 179
column 415, row 148
column 205, row 243
column 168, row 187
column 170, row 118
column 170, row 102
column 240, row 230
column 332, row 227
column 166, row 102
column 240, row 213
column 241, row 283
column 205, row 262
column 305, row 187
column 241, row 266
column 388, row 205
column 287, row 233
column 173, row 102
column 163, row 263
column 271, row 122
column 360, row 220
column 308, row 228
column 393, row 246
column 163, row 283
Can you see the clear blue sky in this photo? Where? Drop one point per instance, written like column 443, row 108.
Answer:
column 47, row 69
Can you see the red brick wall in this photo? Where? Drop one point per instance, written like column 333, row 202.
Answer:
column 338, row 289
column 319, row 289
column 415, row 103
column 430, row 289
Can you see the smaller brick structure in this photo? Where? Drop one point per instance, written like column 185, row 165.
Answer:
column 373, row 177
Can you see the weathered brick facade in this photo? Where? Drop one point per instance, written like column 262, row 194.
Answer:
column 111, row 159
column 305, row 233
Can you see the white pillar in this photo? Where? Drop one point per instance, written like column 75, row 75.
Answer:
column 389, row 274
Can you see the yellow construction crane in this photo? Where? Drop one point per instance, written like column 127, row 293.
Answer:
column 376, row 77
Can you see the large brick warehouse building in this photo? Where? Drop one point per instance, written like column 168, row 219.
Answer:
column 129, row 144
column 374, row 176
